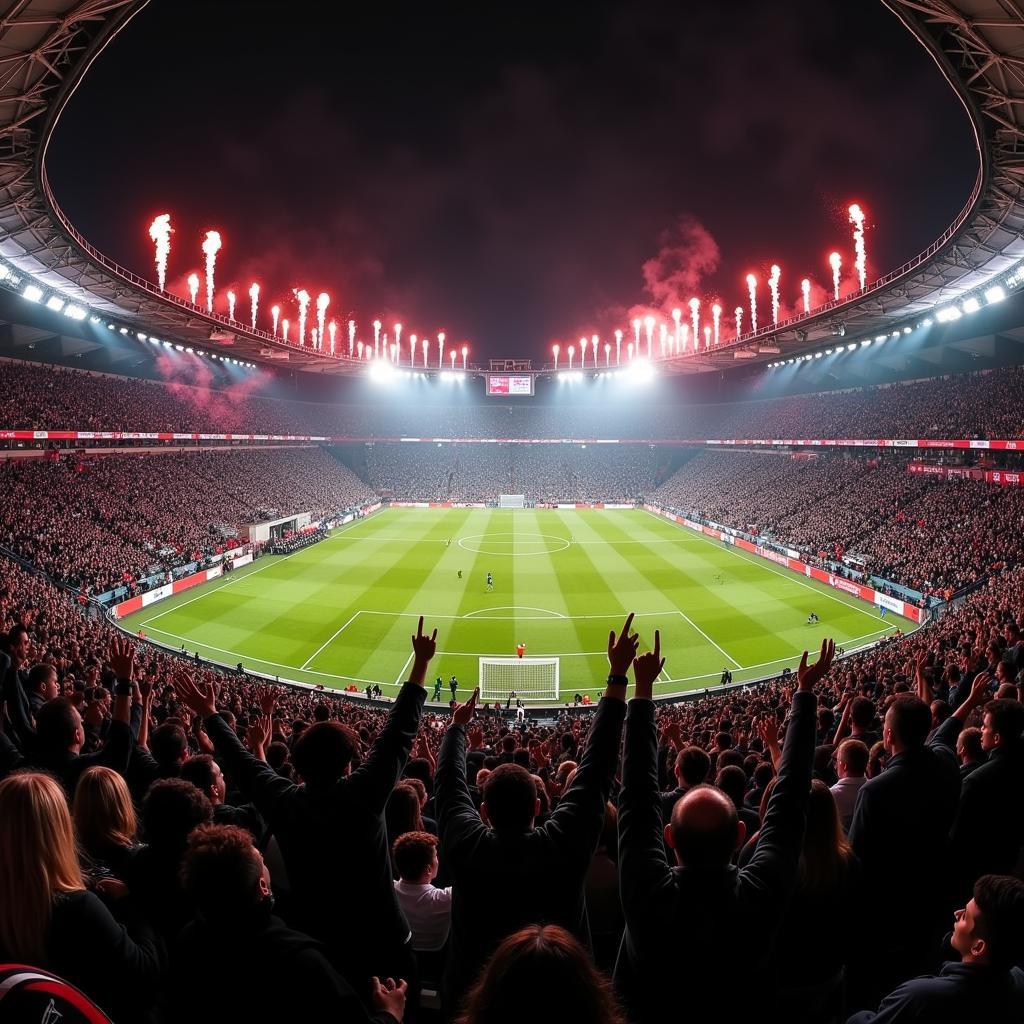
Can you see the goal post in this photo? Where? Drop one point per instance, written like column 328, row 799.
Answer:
column 532, row 679
column 511, row 501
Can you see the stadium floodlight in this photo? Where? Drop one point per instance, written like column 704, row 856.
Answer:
column 55, row 302
column 995, row 294
column 124, row 330
column 971, row 305
column 907, row 330
column 167, row 344
column 4, row 272
column 74, row 312
column 94, row 319
column 189, row 351
column 818, row 355
column 140, row 335
column 32, row 292
column 927, row 321
column 879, row 337
column 851, row 346
column 948, row 314
column 865, row 343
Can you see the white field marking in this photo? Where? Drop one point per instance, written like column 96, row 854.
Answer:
column 763, row 563
column 514, row 554
column 514, row 608
column 260, row 661
column 400, row 678
column 777, row 661
column 722, row 650
column 274, row 560
column 309, row 660
column 524, row 618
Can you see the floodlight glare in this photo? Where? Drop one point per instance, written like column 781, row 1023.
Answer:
column 32, row 292
column 971, row 305
column 948, row 314
column 994, row 294
column 55, row 302
column 75, row 312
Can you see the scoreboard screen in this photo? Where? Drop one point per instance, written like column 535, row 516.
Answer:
column 509, row 384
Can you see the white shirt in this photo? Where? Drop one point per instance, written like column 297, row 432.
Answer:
column 428, row 911
column 845, row 791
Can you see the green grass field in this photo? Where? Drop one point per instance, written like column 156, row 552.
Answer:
column 342, row 611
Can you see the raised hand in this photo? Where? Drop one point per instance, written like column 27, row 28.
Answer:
column 199, row 698
column 768, row 730
column 622, row 649
column 647, row 668
column 388, row 996
column 463, row 713
column 980, row 688
column 258, row 733
column 267, row 696
column 121, row 656
column 808, row 676
column 423, row 647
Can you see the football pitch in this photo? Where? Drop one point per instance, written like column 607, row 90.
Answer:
column 341, row 612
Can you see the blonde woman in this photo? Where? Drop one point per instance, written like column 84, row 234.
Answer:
column 105, row 821
column 47, row 916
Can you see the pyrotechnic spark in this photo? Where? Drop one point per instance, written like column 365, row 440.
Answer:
column 649, row 330
column 636, row 333
column 572, row 352
column 695, row 320
column 453, row 354
column 160, row 232
column 440, row 350
column 663, row 339
column 424, row 342
column 302, row 297
column 385, row 349
column 583, row 352
column 332, row 327
column 323, row 300
column 193, row 287
column 254, row 302
column 716, row 317
column 836, row 262
column 607, row 354
column 284, row 329
column 684, row 336
column 359, row 348
column 618, row 347
column 707, row 338
column 275, row 312
column 738, row 312
column 861, row 261
column 211, row 246
column 677, row 315
column 465, row 354
column 376, row 341
column 752, row 292
column 556, row 348
column 805, row 287
column 773, row 285
column 412, row 349
column 232, row 298
column 593, row 341
column 313, row 336
column 398, row 341
column 351, row 336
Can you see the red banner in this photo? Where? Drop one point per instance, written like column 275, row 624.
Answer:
column 1001, row 477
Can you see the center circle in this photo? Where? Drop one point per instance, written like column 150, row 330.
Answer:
column 517, row 544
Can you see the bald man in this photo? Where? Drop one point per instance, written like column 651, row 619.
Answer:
column 696, row 932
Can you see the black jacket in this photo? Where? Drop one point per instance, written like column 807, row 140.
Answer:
column 334, row 842
column 503, row 882
column 697, row 938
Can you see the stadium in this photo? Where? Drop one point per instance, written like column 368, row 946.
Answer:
column 673, row 664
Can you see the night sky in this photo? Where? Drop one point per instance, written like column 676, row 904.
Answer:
column 512, row 173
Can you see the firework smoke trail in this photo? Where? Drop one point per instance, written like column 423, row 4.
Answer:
column 313, row 338
column 773, row 286
column 360, row 350
column 160, row 232
column 193, row 287
column 707, row 338
column 684, row 336
column 453, row 354
column 412, row 349
column 752, row 292
column 440, row 350
column 232, row 299
column 376, row 338
column 738, row 313
column 275, row 312
column 805, row 287
column 663, row 339
column 836, row 262
column 649, row 331
column 465, row 355
column 636, row 334
column 594, row 339
column 677, row 315
column 302, row 297
column 323, row 300
column 333, row 328
column 607, row 355
column 861, row 261
column 398, row 341
column 211, row 246
column 716, row 317
column 618, row 347
column 351, row 337
column 254, row 302
column 284, row 329
column 424, row 353
column 556, row 348
column 695, row 321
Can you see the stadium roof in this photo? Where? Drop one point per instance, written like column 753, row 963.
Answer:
column 47, row 46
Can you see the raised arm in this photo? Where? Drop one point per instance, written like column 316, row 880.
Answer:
column 774, row 864
column 457, row 817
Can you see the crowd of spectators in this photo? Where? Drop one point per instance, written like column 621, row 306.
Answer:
column 184, row 844
column 913, row 530
column 974, row 405
column 96, row 523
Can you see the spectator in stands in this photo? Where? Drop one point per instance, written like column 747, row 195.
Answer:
column 852, row 766
column 237, row 961
column 105, row 822
column 692, row 768
column 336, row 817
column 739, row 910
column 499, row 847
column 427, row 908
column 989, row 936
column 49, row 917
column 551, row 962
column 970, row 752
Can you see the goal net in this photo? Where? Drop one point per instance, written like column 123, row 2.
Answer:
column 531, row 679
column 511, row 501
